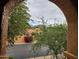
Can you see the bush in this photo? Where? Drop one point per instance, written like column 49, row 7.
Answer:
column 11, row 58
column 52, row 36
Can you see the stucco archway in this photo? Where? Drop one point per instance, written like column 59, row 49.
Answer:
column 69, row 11
column 71, row 15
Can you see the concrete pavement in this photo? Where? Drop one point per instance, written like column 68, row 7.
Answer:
column 22, row 51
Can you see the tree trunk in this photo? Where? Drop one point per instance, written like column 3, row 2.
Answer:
column 56, row 57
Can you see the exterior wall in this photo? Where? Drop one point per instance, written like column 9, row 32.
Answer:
column 71, row 15
column 19, row 40
column 4, row 26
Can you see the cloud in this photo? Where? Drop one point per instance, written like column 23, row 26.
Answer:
column 47, row 9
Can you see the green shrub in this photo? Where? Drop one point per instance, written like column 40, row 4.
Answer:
column 11, row 58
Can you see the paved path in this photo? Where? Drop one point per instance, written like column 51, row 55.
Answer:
column 22, row 51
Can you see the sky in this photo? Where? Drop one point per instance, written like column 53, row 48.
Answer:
column 46, row 9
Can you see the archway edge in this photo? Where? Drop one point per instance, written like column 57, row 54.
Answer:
column 70, row 13
column 8, row 7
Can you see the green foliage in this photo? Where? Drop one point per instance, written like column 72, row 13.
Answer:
column 11, row 58
column 18, row 22
column 52, row 36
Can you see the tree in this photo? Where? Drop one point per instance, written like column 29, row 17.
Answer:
column 52, row 36
column 18, row 22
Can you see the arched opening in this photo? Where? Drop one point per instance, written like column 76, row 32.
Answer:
column 47, row 12
column 72, row 22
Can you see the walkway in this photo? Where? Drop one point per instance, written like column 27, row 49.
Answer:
column 24, row 51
